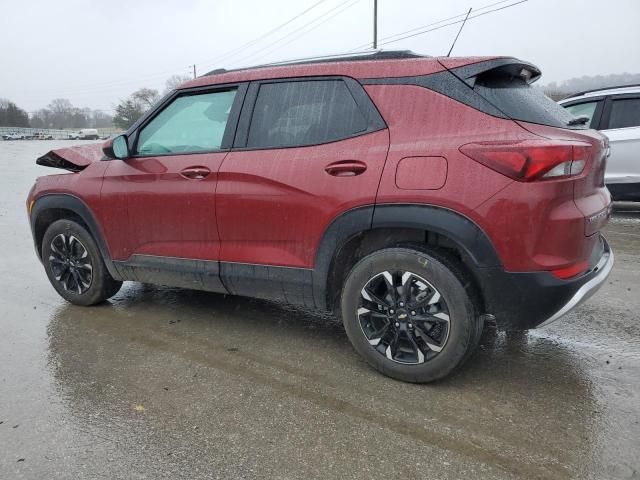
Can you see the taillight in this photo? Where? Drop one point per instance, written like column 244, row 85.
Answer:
column 529, row 160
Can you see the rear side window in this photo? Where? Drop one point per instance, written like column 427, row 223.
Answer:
column 586, row 109
column 625, row 113
column 302, row 113
column 521, row 101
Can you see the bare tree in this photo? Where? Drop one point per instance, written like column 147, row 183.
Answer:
column 173, row 81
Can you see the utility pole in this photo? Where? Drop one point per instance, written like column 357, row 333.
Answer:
column 375, row 24
column 194, row 70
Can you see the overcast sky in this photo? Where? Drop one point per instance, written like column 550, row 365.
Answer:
column 97, row 52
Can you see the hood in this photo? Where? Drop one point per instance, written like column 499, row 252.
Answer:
column 74, row 159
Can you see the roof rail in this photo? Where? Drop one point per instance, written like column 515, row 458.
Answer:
column 342, row 57
column 602, row 88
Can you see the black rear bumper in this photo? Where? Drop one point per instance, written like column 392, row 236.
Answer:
column 625, row 191
column 521, row 301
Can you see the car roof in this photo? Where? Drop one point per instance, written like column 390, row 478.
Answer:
column 619, row 90
column 374, row 64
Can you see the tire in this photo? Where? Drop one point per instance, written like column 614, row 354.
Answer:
column 75, row 266
column 427, row 336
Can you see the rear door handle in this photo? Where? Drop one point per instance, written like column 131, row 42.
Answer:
column 195, row 173
column 345, row 168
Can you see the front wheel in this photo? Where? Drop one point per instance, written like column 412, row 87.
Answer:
column 408, row 314
column 74, row 264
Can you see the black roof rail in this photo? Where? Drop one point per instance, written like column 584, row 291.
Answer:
column 602, row 88
column 345, row 57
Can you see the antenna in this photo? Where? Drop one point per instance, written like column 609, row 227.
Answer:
column 461, row 27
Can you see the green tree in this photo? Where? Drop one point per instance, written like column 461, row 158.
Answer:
column 131, row 109
column 11, row 115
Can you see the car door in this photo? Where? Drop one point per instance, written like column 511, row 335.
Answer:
column 306, row 151
column 159, row 204
column 621, row 124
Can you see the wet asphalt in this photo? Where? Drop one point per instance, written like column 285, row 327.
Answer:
column 170, row 383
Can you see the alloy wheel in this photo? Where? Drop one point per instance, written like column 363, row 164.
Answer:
column 70, row 263
column 403, row 317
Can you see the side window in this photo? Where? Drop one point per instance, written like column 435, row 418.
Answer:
column 189, row 124
column 303, row 113
column 625, row 113
column 583, row 109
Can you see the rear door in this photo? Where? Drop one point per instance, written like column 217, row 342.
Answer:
column 306, row 151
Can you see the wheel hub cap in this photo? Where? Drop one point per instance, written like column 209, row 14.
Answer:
column 403, row 316
column 70, row 263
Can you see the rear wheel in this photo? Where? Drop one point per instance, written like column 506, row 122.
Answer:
column 408, row 314
column 75, row 266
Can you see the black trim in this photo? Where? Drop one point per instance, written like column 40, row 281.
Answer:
column 341, row 230
column 173, row 272
column 369, row 111
column 380, row 55
column 230, row 129
column 283, row 284
column 447, row 84
column 625, row 191
column 459, row 229
column 523, row 300
column 72, row 203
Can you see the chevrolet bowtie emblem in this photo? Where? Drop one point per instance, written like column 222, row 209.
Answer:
column 402, row 316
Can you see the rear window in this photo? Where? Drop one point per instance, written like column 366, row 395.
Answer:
column 521, row 101
column 625, row 113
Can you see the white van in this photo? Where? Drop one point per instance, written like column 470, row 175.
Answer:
column 88, row 134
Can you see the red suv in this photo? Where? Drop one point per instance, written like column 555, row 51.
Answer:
column 416, row 197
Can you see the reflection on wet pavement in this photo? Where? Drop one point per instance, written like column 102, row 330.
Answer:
column 173, row 383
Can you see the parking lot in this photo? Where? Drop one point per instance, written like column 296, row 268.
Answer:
column 169, row 383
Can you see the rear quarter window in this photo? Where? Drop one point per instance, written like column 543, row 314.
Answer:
column 520, row 101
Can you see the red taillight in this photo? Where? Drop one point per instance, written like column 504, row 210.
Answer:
column 571, row 271
column 529, row 160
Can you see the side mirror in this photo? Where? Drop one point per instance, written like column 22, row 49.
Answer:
column 116, row 147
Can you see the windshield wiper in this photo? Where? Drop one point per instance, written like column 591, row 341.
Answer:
column 581, row 120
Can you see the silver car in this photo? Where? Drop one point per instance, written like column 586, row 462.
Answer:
column 616, row 113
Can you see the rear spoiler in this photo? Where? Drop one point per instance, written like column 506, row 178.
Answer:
column 505, row 66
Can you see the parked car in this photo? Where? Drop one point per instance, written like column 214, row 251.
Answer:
column 42, row 136
column 416, row 197
column 616, row 113
column 13, row 136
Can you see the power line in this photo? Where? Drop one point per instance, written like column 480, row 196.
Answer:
column 346, row 7
column 124, row 82
column 320, row 17
column 250, row 43
column 460, row 15
column 453, row 23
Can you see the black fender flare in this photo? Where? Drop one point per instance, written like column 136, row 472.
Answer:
column 65, row 201
column 461, row 230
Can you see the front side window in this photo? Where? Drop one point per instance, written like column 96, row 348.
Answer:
column 625, row 113
column 586, row 109
column 304, row 113
column 190, row 124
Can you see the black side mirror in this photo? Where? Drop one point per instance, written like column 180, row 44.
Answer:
column 116, row 147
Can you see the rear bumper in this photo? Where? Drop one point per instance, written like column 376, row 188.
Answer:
column 601, row 272
column 526, row 300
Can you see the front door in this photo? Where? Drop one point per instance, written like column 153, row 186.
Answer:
column 159, row 205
